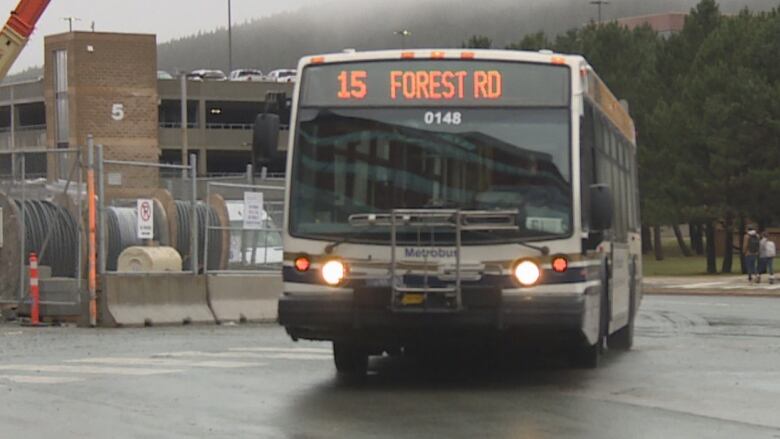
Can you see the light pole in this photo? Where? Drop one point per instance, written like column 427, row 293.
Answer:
column 403, row 33
column 599, row 4
column 230, row 38
column 70, row 21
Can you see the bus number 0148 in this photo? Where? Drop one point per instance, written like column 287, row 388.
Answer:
column 442, row 118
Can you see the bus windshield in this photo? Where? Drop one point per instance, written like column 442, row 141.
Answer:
column 432, row 134
column 351, row 161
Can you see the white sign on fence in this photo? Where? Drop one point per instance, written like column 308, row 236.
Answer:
column 145, row 215
column 253, row 210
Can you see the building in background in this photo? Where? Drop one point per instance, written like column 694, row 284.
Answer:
column 106, row 84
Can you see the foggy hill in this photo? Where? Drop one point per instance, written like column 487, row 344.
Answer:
column 280, row 40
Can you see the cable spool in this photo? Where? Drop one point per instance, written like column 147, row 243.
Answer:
column 43, row 217
column 184, row 215
column 122, row 231
column 57, row 219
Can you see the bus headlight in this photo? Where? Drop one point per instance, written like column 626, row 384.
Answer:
column 527, row 273
column 333, row 272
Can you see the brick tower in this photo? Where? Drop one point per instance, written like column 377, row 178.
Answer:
column 104, row 84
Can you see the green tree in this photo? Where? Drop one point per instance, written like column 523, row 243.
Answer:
column 537, row 41
column 734, row 103
column 477, row 42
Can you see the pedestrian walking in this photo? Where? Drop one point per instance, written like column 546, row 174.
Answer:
column 751, row 245
column 766, row 256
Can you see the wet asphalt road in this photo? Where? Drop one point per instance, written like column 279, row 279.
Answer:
column 702, row 367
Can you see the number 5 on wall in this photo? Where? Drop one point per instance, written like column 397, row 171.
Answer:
column 118, row 111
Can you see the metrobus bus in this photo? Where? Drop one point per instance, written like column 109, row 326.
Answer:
column 440, row 196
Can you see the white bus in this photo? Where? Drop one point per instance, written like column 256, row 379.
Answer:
column 440, row 196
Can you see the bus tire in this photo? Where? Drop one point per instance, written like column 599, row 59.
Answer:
column 623, row 338
column 586, row 357
column 351, row 360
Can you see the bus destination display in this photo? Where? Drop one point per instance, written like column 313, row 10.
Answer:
column 425, row 85
column 441, row 82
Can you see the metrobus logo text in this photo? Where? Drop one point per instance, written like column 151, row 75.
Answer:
column 424, row 253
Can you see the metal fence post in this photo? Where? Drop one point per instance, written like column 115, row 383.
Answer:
column 101, row 211
column 23, row 234
column 80, row 228
column 91, row 260
column 206, row 234
column 194, row 221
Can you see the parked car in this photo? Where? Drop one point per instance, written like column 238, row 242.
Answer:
column 206, row 75
column 282, row 75
column 162, row 74
column 246, row 75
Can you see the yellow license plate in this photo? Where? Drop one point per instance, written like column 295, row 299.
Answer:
column 413, row 299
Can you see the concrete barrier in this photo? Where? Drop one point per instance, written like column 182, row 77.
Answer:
column 154, row 299
column 249, row 297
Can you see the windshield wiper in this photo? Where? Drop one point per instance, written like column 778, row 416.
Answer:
column 544, row 250
column 329, row 248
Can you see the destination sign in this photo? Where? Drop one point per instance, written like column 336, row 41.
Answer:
column 435, row 82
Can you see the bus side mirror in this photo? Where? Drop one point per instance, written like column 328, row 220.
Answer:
column 265, row 139
column 601, row 210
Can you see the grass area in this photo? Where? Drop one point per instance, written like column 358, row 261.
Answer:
column 675, row 264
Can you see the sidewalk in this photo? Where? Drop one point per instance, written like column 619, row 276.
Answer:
column 736, row 285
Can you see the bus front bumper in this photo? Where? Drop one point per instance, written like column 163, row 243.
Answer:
column 367, row 314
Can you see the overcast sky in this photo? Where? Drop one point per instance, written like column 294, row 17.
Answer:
column 166, row 18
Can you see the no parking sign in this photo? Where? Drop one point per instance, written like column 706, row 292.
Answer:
column 145, row 222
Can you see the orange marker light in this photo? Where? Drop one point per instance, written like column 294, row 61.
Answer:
column 558, row 60
column 318, row 60
column 407, row 55
column 467, row 55
column 302, row 263
column 559, row 264
column 437, row 55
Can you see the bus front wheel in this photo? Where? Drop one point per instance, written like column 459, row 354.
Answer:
column 586, row 356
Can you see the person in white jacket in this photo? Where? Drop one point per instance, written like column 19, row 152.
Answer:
column 766, row 255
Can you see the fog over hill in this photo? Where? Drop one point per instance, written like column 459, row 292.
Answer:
column 280, row 40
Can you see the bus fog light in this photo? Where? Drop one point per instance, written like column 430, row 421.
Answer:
column 333, row 272
column 527, row 273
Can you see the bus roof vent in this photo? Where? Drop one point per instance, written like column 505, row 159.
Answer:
column 349, row 50
column 546, row 51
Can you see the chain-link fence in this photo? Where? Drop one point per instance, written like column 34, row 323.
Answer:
column 92, row 220
column 249, row 238
column 42, row 213
column 144, row 227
